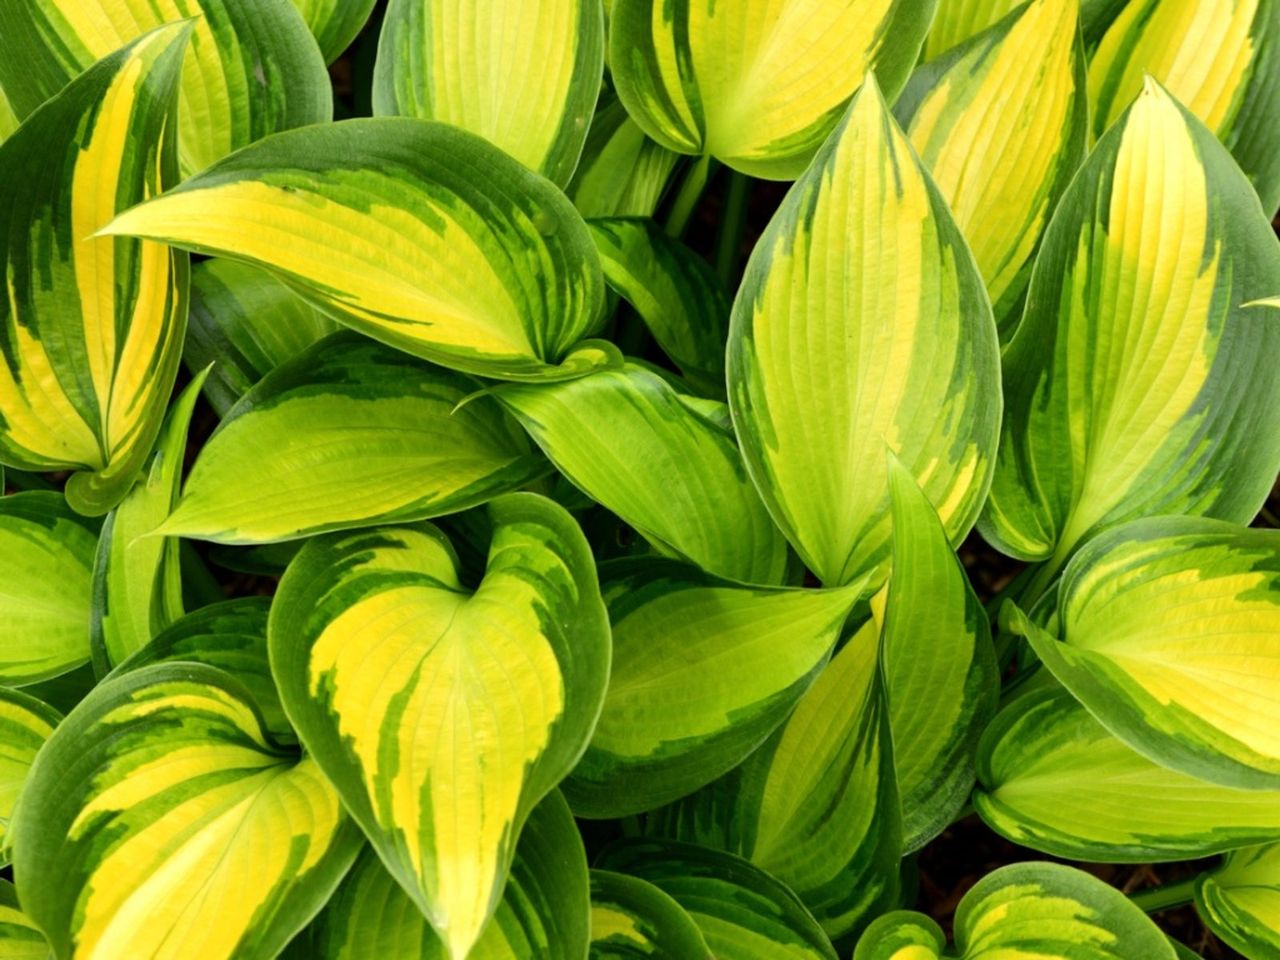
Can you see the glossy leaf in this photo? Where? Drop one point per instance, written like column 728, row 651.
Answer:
column 91, row 327
column 738, row 81
column 1135, row 384
column 335, row 23
column 347, row 434
column 25, row 724
column 443, row 715
column 862, row 325
column 418, row 234
column 622, row 172
column 632, row 918
column 1240, row 901
column 630, row 441
column 703, row 671
column 20, row 939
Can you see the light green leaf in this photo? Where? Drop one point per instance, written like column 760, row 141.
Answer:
column 20, row 939
column 1240, row 901
column 632, row 918
column 347, row 434
column 335, row 23
column 861, row 324
column 441, row 714
column 25, row 724
column 8, row 119
column 703, row 671
column 622, row 172
column 958, row 20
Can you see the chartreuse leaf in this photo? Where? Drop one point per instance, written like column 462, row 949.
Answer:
column 1135, row 384
column 544, row 913
column 703, row 671
column 245, row 322
column 743, row 913
column 622, row 172
column 25, row 724
column 1240, row 901
column 817, row 805
column 525, row 76
column 91, row 327
column 160, row 820
column 335, row 23
column 1216, row 57
column 738, row 81
column 46, row 569
column 1122, row 807
column 862, row 323
column 137, row 580
column 958, row 20
column 674, row 291
column 418, row 234
column 20, row 939
column 349, row 433
column 8, row 119
column 1171, row 631
column 1001, row 133
column 630, row 441
column 631, row 918
column 1025, row 911
column 253, row 67
column 443, row 715
column 939, row 666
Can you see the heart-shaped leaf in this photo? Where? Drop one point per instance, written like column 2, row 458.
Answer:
column 1240, row 901
column 25, row 724
column 631, row 917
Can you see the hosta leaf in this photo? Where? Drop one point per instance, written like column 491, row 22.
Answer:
column 1172, row 640
column 137, row 580
column 335, row 23
column 91, row 327
column 20, row 939
column 418, row 234
column 46, row 569
column 246, row 323
column 525, row 76
column 630, row 441
column 161, row 821
column 939, row 666
column 703, row 671
column 1217, row 57
column 1135, row 384
column 958, row 20
column 861, row 325
column 631, row 918
column 1240, row 902
column 988, row 110
column 673, row 290
column 8, row 119
column 737, row 81
column 622, row 172
column 743, row 913
column 25, row 724
column 1119, row 806
column 346, row 434
column 1044, row 911
column 444, row 715
column 817, row 805
column 253, row 67
column 543, row 914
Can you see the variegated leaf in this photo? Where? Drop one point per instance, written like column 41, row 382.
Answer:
column 25, row 725
column 443, row 715
column 419, row 234
column 958, row 20
column 20, row 939
column 160, row 820
column 703, row 671
column 335, row 23
column 91, row 327
column 1240, row 901
column 1002, row 133
column 1135, row 384
column 862, row 324
column 1044, row 747
column 347, row 434
column 525, row 76
column 756, row 84
column 631, row 442
column 253, row 67
column 622, row 172
column 631, row 918
column 1217, row 57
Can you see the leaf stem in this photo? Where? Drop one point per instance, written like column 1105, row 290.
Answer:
column 731, row 227
column 1165, row 897
column 686, row 201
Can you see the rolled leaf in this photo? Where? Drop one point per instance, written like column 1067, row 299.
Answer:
column 862, row 324
column 20, row 939
column 347, row 434
column 1135, row 384
column 335, row 23
column 91, row 328
column 525, row 76
column 419, row 234
column 703, row 671
column 253, row 67
column 1041, row 910
column 738, row 82
column 442, row 715
column 46, row 566
column 1123, row 808
column 622, row 172
column 25, row 724
column 1218, row 59
column 631, row 442
column 161, row 820
column 1001, row 133
column 631, row 917
column 1240, row 901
